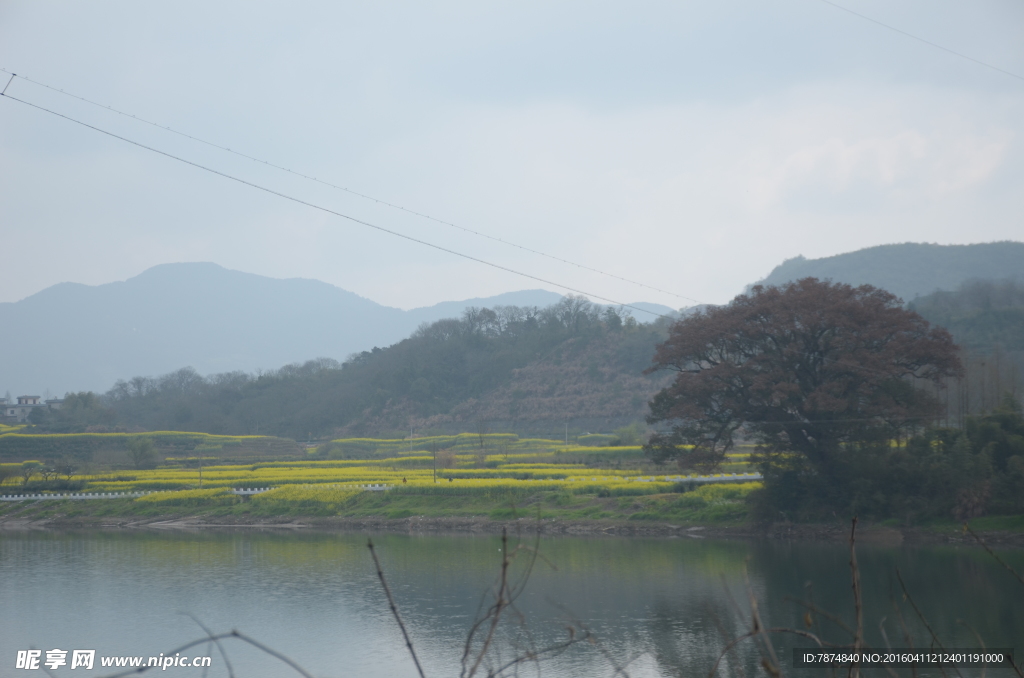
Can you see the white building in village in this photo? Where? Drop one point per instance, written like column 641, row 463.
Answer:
column 19, row 412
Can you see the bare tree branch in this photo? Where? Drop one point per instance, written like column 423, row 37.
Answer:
column 493, row 614
column 750, row 634
column 858, row 638
column 906, row 594
column 824, row 613
column 888, row 645
column 992, row 553
column 209, row 634
column 394, row 608
column 906, row 635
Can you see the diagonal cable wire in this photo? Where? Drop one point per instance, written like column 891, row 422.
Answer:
column 353, row 192
column 927, row 42
column 330, row 211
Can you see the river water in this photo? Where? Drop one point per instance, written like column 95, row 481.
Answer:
column 659, row 607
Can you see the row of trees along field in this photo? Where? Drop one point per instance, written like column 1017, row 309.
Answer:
column 840, row 388
column 375, row 392
column 986, row 319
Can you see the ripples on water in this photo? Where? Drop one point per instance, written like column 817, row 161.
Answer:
column 663, row 606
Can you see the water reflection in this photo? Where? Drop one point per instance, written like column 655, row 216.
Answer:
column 664, row 606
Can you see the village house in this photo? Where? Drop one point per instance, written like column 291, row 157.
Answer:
column 19, row 412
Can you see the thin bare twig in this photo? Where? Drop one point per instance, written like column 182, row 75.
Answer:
column 728, row 592
column 209, row 633
column 180, row 648
column 977, row 637
column 858, row 638
column 752, row 633
column 824, row 613
column 725, row 636
column 917, row 610
column 535, row 554
column 619, row 669
column 478, row 653
column 810, row 620
column 888, row 645
column 394, row 608
column 590, row 637
column 992, row 553
column 272, row 653
column 885, row 636
column 493, row 614
column 906, row 633
column 553, row 650
column 728, row 647
column 771, row 662
column 804, row 634
column 47, row 670
column 815, row 620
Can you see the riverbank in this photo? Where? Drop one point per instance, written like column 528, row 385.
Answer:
column 710, row 504
column 49, row 518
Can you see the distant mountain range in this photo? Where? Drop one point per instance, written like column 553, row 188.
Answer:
column 910, row 270
column 538, row 379
column 73, row 337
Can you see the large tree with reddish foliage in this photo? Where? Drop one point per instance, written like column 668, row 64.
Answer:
column 812, row 367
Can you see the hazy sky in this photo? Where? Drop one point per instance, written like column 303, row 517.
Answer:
column 690, row 146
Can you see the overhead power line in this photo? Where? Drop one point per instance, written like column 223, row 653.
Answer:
column 330, row 211
column 927, row 42
column 379, row 201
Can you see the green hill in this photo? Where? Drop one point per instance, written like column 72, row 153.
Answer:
column 909, row 270
column 534, row 372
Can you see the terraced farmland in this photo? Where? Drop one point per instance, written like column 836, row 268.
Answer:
column 496, row 476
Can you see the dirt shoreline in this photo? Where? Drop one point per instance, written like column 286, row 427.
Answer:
column 835, row 532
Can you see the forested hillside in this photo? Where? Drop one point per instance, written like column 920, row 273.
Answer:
column 981, row 314
column 986, row 318
column 909, row 270
column 511, row 368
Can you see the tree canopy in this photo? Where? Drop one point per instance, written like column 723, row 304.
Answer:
column 83, row 411
column 809, row 367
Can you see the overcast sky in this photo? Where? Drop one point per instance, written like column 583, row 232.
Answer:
column 690, row 146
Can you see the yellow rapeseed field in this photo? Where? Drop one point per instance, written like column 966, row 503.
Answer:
column 497, row 467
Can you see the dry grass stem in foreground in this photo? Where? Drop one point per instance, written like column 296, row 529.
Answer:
column 394, row 609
